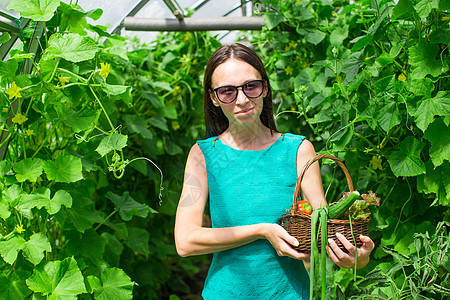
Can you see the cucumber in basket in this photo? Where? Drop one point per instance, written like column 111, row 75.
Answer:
column 337, row 209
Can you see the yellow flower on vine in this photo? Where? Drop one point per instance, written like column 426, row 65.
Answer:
column 19, row 119
column 29, row 132
column 376, row 163
column 63, row 80
column 175, row 125
column 104, row 70
column 19, row 229
column 13, row 91
column 5, row 109
column 288, row 70
column 402, row 77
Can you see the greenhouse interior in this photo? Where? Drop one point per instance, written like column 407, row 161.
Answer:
column 111, row 117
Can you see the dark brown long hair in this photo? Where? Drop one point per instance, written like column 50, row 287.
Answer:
column 216, row 121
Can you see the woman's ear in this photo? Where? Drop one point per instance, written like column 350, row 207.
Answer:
column 266, row 89
column 213, row 98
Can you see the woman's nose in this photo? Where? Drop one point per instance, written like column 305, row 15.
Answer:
column 241, row 97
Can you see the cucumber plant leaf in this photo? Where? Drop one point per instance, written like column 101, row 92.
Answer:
column 113, row 284
column 389, row 116
column 9, row 249
column 35, row 247
column 272, row 20
column 82, row 213
column 37, row 10
column 71, row 47
column 403, row 10
column 138, row 240
column 425, row 112
column 28, row 169
column 64, row 169
column 423, row 62
column 136, row 124
column 58, row 279
column 407, row 162
column 4, row 209
column 88, row 244
column 128, row 207
column 437, row 181
column 41, row 198
column 424, row 7
column 13, row 287
column 440, row 147
column 115, row 141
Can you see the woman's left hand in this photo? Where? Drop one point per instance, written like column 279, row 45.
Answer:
column 347, row 260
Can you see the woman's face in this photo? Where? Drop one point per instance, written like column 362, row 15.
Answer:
column 243, row 110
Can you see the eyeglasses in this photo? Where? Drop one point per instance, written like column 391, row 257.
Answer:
column 228, row 93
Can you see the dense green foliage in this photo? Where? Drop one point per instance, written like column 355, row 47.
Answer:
column 88, row 131
column 84, row 209
column 368, row 83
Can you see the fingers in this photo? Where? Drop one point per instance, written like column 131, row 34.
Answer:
column 367, row 243
column 347, row 260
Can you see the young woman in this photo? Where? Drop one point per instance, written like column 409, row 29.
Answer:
column 246, row 171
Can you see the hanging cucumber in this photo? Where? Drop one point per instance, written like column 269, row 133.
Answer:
column 337, row 209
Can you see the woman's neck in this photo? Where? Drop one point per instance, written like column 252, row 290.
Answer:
column 256, row 137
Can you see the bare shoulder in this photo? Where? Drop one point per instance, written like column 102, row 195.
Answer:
column 196, row 159
column 306, row 149
column 305, row 152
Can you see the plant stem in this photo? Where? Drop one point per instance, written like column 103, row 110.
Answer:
column 101, row 106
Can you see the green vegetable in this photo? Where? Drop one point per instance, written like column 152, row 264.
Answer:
column 338, row 209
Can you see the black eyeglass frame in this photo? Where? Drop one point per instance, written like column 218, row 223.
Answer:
column 242, row 88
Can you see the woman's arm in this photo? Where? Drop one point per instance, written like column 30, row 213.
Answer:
column 191, row 238
column 312, row 190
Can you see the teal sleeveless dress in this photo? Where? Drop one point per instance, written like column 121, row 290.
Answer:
column 250, row 187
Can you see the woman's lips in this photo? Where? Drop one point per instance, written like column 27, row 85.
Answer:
column 244, row 112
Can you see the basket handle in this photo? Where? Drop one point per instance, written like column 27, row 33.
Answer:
column 308, row 164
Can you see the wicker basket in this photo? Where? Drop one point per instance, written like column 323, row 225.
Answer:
column 298, row 224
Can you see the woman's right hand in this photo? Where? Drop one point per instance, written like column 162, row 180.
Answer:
column 283, row 242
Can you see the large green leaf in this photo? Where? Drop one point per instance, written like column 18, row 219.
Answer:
column 159, row 122
column 38, row 199
column 35, row 247
column 113, row 284
column 312, row 35
column 41, row 197
column 272, row 20
column 138, row 240
column 89, row 244
column 425, row 110
column 128, row 207
column 339, row 31
column 119, row 92
column 407, row 162
column 64, row 169
column 9, row 249
column 113, row 249
column 82, row 213
column 4, row 210
column 422, row 59
column 389, row 116
column 403, row 10
column 58, row 279
column 37, row 10
column 78, row 120
column 13, row 287
column 71, row 47
column 437, row 181
column 61, row 197
column 437, row 134
column 136, row 124
column 28, row 169
column 424, row 7
column 115, row 141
